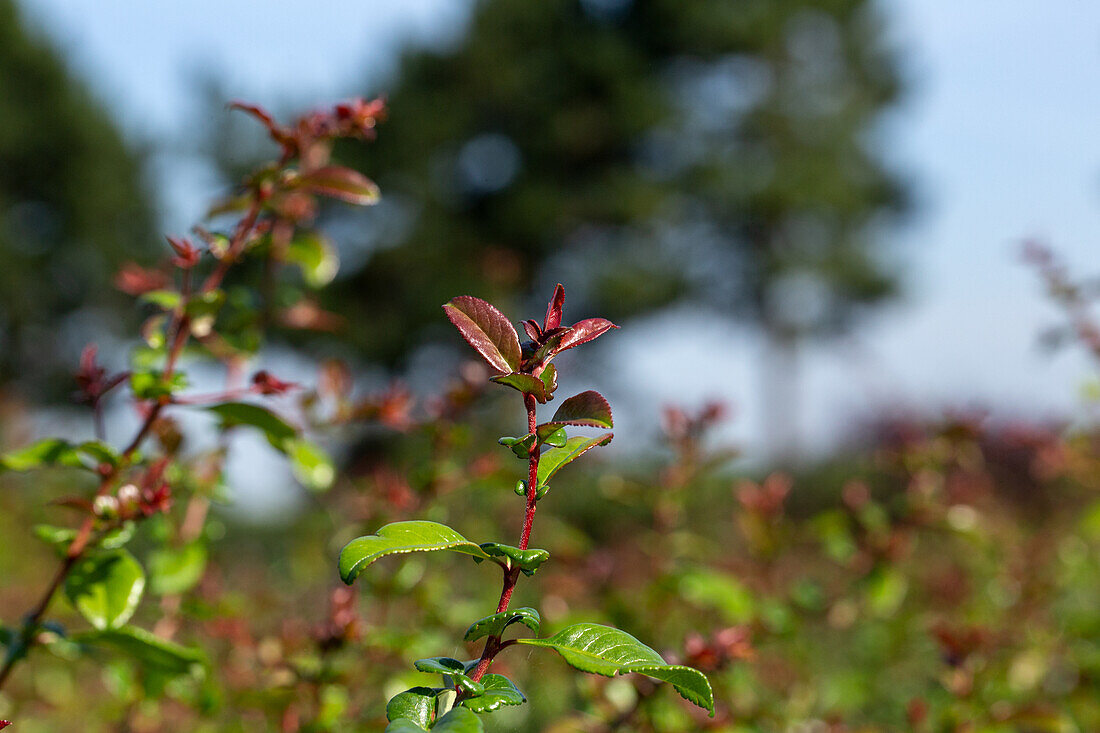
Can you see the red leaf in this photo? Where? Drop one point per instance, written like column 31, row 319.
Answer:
column 487, row 330
column 584, row 331
column 4, row 724
column 532, row 329
column 342, row 183
column 553, row 309
column 588, row 409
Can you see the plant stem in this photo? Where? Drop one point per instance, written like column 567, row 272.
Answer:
column 80, row 543
column 511, row 575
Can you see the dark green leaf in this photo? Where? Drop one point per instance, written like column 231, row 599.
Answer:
column 316, row 257
column 416, row 704
column 496, row 624
column 404, row 725
column 106, row 588
column 399, row 538
column 525, row 383
column 277, row 431
column 556, row 439
column 176, row 570
column 440, row 665
column 487, row 330
column 526, row 560
column 608, row 651
column 458, row 720
column 499, row 691
column 151, row 651
column 555, row 459
column 520, row 446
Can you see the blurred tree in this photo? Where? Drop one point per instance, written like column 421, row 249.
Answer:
column 72, row 207
column 645, row 152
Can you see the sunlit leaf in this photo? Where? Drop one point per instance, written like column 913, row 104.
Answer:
column 106, row 588
column 277, row 430
column 400, row 538
column 310, row 465
column 555, row 459
column 487, row 330
column 524, row 383
column 315, row 256
column 584, row 331
column 176, row 570
column 416, row 704
column 526, row 560
column 499, row 692
column 609, row 651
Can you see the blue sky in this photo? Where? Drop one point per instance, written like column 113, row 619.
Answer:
column 1001, row 134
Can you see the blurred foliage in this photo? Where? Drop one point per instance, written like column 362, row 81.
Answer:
column 72, row 207
column 943, row 579
column 644, row 151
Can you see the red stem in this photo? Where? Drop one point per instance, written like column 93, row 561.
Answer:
column 493, row 644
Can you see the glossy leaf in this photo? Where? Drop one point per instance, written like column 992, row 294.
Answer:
column 609, row 651
column 416, row 704
column 440, row 665
column 400, row 538
column 526, row 560
column 524, row 383
column 555, row 459
column 553, row 309
column 341, row 183
column 176, row 570
column 584, row 331
column 147, row 649
column 106, row 588
column 315, row 256
column 520, row 446
column 556, row 438
column 487, row 330
column 499, row 692
column 458, row 720
column 311, row 466
column 496, row 624
column 587, row 409
column 277, row 430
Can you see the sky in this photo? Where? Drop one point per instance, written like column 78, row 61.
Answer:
column 999, row 134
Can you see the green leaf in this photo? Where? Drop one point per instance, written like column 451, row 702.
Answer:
column 152, row 384
column 499, row 691
column 525, row 383
column 400, row 538
column 458, row 720
column 549, row 377
column 316, row 257
column 496, row 624
column 106, row 588
column 311, row 466
column 440, row 665
column 149, row 650
column 163, row 299
column 277, row 430
column 487, row 330
column 526, row 560
column 556, row 439
column 608, row 651
column 61, row 537
column 588, row 409
column 57, row 452
column 416, row 704
column 176, row 570
column 404, row 725
column 520, row 446
column 555, row 459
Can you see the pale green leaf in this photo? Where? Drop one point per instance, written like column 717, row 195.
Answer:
column 400, row 538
